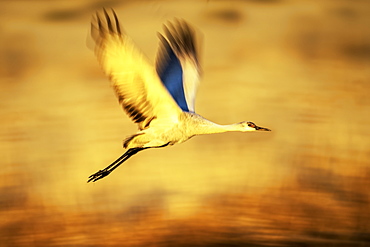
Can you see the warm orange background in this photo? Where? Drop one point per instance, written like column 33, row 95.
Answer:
column 300, row 68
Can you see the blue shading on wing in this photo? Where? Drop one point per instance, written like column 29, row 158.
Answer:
column 171, row 74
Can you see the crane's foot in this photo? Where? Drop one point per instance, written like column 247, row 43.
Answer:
column 99, row 175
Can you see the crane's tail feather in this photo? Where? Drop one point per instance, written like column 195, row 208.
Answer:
column 106, row 171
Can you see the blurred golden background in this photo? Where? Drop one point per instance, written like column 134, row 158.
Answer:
column 298, row 67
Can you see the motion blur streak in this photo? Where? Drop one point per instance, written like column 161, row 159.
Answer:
column 302, row 66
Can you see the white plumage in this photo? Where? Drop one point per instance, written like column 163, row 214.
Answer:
column 159, row 99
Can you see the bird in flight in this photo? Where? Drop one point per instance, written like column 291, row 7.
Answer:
column 159, row 99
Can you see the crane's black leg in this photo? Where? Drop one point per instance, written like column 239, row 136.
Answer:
column 106, row 171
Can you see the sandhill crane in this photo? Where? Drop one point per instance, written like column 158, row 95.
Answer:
column 159, row 99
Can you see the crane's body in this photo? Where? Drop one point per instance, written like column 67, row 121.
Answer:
column 161, row 99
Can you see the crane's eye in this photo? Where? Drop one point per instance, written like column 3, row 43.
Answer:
column 252, row 125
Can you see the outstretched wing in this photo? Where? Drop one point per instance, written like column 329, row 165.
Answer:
column 178, row 65
column 136, row 83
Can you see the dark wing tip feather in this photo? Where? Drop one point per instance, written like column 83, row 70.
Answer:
column 100, row 25
column 109, row 22
column 118, row 28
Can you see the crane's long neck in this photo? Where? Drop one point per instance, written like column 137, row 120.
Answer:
column 216, row 128
column 204, row 126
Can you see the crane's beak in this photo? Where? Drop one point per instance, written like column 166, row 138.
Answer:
column 262, row 128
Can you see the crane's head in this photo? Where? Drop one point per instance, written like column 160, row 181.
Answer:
column 249, row 126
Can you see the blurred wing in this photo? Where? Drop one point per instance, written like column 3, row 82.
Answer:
column 136, row 83
column 178, row 65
